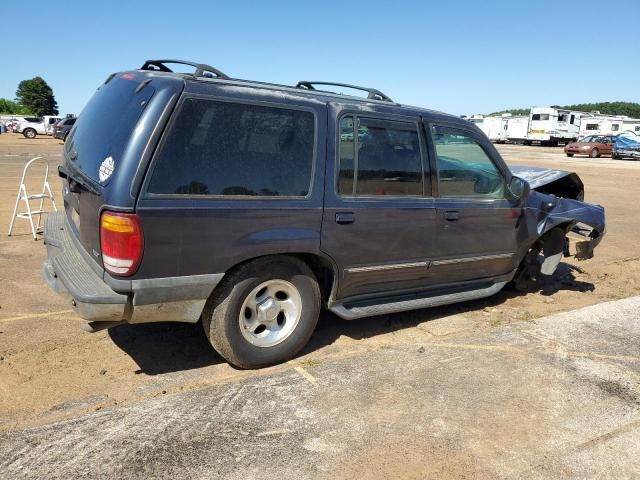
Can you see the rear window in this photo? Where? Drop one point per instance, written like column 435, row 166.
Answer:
column 223, row 148
column 105, row 125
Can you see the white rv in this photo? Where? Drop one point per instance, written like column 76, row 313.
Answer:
column 597, row 124
column 552, row 125
column 631, row 125
column 495, row 128
column 517, row 128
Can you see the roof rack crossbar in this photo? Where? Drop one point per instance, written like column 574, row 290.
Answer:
column 372, row 93
column 202, row 70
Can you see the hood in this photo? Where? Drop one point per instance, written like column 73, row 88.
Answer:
column 557, row 182
column 537, row 176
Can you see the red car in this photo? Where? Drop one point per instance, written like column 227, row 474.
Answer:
column 592, row 146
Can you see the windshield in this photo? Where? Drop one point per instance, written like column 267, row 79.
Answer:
column 105, row 125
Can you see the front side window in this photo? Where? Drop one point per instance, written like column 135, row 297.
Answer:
column 562, row 117
column 379, row 157
column 464, row 168
column 223, row 148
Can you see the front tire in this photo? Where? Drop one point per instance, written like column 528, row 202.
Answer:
column 569, row 154
column 263, row 313
column 29, row 133
column 595, row 153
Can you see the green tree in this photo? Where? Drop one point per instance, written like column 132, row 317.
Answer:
column 36, row 95
column 10, row 107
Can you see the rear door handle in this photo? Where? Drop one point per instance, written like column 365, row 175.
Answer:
column 452, row 215
column 345, row 217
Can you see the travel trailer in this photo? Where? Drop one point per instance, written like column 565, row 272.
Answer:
column 517, row 128
column 631, row 125
column 495, row 128
column 597, row 124
column 553, row 125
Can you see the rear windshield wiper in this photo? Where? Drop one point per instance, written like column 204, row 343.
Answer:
column 76, row 182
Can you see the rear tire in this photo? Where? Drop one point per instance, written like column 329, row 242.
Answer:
column 569, row 154
column 595, row 153
column 29, row 133
column 263, row 312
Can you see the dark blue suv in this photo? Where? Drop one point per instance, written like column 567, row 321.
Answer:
column 250, row 206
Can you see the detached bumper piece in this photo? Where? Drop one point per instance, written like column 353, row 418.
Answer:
column 67, row 272
column 583, row 240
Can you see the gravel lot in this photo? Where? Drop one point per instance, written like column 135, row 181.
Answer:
column 492, row 388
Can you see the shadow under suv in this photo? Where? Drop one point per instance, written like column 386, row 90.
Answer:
column 251, row 206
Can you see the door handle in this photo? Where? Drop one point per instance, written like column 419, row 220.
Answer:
column 452, row 215
column 345, row 217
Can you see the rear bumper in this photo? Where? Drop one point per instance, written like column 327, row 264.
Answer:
column 67, row 272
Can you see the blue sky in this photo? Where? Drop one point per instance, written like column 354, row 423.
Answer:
column 460, row 57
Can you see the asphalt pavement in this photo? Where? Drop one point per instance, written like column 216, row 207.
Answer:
column 557, row 397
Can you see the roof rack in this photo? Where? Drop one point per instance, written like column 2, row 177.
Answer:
column 372, row 93
column 202, row 70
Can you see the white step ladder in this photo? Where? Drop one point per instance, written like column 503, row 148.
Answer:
column 25, row 197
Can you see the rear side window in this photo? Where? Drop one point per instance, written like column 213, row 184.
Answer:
column 379, row 157
column 223, row 148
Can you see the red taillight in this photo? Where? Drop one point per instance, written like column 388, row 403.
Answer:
column 122, row 242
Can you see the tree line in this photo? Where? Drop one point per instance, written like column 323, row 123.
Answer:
column 629, row 109
column 33, row 97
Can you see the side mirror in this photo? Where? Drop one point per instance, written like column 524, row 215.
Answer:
column 519, row 188
column 482, row 186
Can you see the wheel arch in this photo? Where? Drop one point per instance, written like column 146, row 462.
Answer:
column 322, row 266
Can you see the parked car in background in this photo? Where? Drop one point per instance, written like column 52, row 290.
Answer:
column 626, row 145
column 62, row 128
column 32, row 126
column 592, row 146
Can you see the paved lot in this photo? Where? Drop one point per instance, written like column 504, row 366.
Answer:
column 555, row 398
column 490, row 388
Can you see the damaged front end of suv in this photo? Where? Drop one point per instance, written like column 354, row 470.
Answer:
column 558, row 222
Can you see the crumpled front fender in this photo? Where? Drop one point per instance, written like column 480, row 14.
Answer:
column 553, row 219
